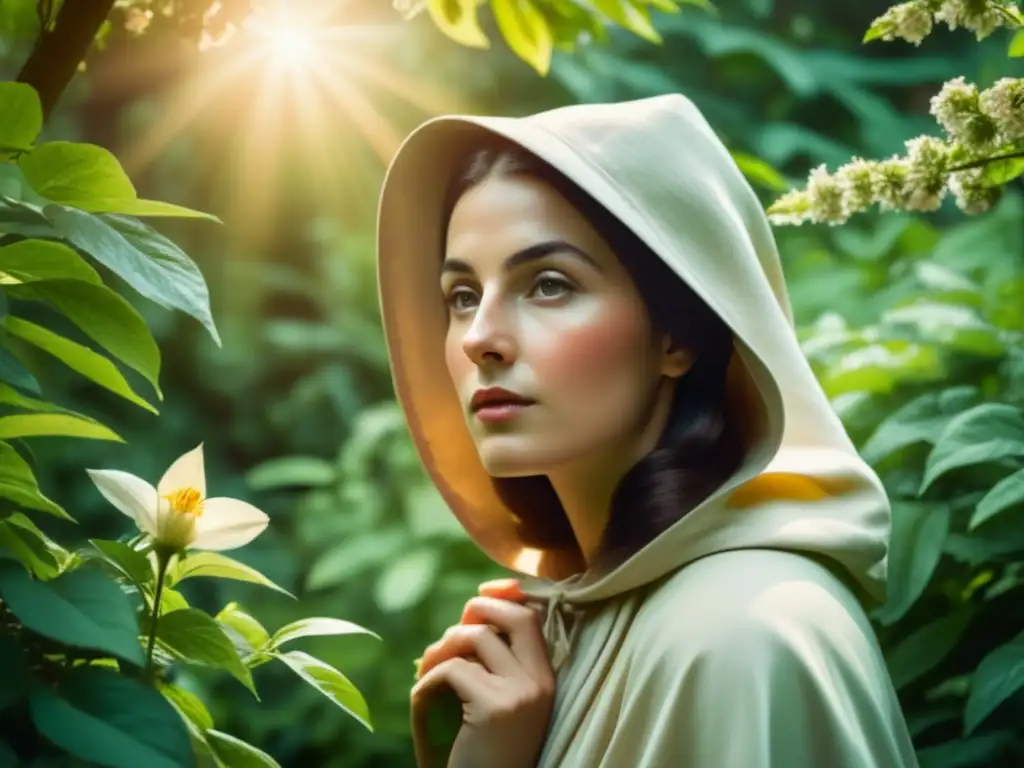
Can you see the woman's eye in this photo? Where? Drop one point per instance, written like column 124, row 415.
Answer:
column 551, row 287
column 460, row 300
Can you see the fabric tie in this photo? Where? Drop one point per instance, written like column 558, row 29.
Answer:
column 558, row 638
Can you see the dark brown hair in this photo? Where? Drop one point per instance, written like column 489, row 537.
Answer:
column 699, row 448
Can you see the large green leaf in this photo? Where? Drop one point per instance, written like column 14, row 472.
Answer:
column 526, row 31
column 217, row 565
column 236, row 753
column 105, row 718
column 881, row 367
column 195, row 638
column 78, row 358
column 236, row 622
column 919, row 652
column 18, row 484
column 284, row 471
column 14, row 373
column 190, row 705
column 143, row 258
column 458, row 19
column 89, row 177
column 1004, row 495
column 54, row 425
column 629, row 15
column 28, row 549
column 317, row 627
column 14, row 671
column 999, row 676
column 919, row 421
column 30, row 260
column 918, row 534
column 40, row 540
column 986, row 433
column 128, row 561
column 21, row 218
column 330, row 682
column 105, row 317
column 81, row 608
column 22, row 116
column 956, row 327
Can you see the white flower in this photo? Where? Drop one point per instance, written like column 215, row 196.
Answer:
column 928, row 159
column 973, row 197
column 891, row 183
column 957, row 107
column 911, row 21
column 177, row 513
column 793, row 208
column 856, row 180
column 976, row 15
column 826, row 197
column 1004, row 104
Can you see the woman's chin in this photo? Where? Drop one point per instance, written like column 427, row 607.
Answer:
column 508, row 456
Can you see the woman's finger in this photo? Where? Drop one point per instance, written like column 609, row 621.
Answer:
column 522, row 626
column 469, row 681
column 503, row 589
column 477, row 640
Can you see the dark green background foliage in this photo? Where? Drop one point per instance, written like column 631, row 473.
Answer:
column 914, row 324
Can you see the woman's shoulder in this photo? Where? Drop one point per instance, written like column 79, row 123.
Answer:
column 745, row 601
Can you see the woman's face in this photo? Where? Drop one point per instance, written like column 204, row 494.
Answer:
column 539, row 306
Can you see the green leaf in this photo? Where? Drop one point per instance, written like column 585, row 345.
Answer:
column 919, row 652
column 81, row 608
column 32, row 552
column 9, row 396
column 526, row 31
column 128, row 561
column 407, row 580
column 190, row 705
column 21, row 218
column 89, row 177
column 458, row 20
column 61, row 555
column 78, row 358
column 22, row 116
column 219, row 566
column 998, row 677
column 629, row 16
column 30, row 260
column 101, row 716
column 880, row 367
column 195, row 638
column 105, row 317
column 249, row 630
column 919, row 421
column 308, row 471
column 986, row 433
column 54, row 425
column 145, row 259
column 330, row 682
column 1007, row 493
column 759, row 171
column 1016, row 48
column 237, row 753
column 1002, row 172
column 14, row 671
column 919, row 533
column 15, row 374
column 353, row 555
column 316, row 627
column 956, row 327
column 18, row 484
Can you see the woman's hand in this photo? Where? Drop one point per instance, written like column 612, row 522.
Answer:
column 506, row 686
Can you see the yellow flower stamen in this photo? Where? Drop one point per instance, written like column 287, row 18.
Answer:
column 186, row 501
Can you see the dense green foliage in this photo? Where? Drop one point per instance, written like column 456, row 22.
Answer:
column 915, row 324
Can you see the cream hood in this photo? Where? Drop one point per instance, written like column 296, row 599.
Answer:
column 657, row 165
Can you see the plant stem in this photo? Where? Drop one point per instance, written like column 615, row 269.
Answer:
column 163, row 557
column 985, row 161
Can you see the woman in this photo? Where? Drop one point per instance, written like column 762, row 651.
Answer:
column 592, row 344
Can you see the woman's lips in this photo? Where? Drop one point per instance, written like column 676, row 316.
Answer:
column 498, row 412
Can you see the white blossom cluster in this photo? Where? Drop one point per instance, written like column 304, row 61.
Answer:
column 913, row 21
column 979, row 126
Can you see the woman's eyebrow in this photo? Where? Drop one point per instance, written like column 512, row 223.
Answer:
column 517, row 259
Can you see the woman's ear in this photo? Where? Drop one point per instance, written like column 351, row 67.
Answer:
column 676, row 360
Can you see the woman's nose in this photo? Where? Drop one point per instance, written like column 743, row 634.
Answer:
column 489, row 337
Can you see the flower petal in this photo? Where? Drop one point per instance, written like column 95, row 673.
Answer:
column 132, row 496
column 189, row 471
column 228, row 524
